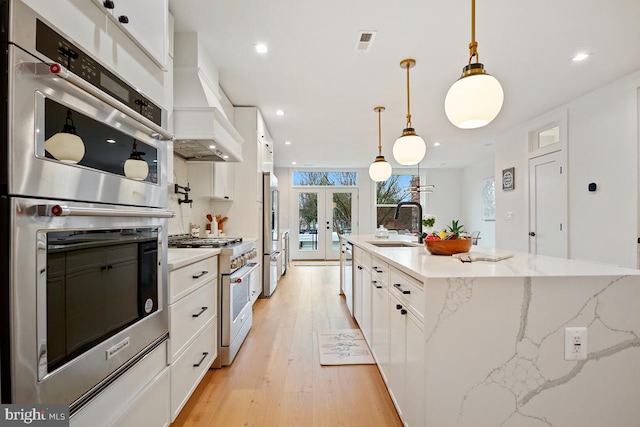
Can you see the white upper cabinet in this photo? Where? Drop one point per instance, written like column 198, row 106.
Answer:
column 211, row 179
column 146, row 22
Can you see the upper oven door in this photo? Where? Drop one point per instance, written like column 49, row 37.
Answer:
column 121, row 155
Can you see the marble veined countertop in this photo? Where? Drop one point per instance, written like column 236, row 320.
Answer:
column 418, row 262
column 179, row 257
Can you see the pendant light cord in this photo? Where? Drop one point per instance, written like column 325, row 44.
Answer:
column 379, row 133
column 408, row 98
column 473, row 46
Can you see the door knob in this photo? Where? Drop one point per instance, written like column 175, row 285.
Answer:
column 532, row 233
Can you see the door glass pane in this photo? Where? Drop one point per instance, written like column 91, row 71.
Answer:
column 308, row 221
column 342, row 206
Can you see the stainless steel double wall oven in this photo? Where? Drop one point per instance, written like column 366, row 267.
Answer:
column 83, row 238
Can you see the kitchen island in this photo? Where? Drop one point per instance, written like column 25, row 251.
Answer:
column 483, row 343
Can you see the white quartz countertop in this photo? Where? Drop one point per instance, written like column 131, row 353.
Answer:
column 179, row 257
column 418, row 262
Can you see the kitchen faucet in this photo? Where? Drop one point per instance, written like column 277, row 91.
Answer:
column 397, row 214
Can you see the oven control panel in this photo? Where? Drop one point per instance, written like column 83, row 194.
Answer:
column 59, row 49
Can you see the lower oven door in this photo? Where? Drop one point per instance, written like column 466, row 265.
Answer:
column 87, row 283
column 235, row 299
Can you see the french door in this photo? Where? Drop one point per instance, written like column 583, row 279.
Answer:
column 321, row 215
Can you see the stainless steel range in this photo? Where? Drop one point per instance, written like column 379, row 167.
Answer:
column 238, row 266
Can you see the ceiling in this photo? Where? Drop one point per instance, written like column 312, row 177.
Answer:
column 328, row 89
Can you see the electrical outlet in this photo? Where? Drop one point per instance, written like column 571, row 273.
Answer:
column 575, row 343
column 510, row 215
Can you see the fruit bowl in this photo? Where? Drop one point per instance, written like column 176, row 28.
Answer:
column 448, row 247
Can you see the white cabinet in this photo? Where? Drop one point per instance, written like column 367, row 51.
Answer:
column 380, row 314
column 193, row 327
column 391, row 317
column 146, row 22
column 406, row 373
column 211, row 179
column 140, row 397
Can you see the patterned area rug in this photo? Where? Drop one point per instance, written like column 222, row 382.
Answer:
column 343, row 347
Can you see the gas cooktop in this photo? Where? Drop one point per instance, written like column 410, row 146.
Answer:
column 185, row 241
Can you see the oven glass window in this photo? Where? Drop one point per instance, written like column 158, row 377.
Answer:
column 98, row 283
column 105, row 148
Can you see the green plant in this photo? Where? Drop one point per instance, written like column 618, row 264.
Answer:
column 455, row 229
column 428, row 220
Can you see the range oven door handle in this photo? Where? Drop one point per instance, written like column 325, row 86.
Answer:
column 60, row 71
column 60, row 210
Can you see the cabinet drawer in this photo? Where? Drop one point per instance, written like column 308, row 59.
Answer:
column 189, row 316
column 379, row 271
column 185, row 279
column 191, row 366
column 409, row 291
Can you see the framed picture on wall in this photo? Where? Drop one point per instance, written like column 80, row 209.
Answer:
column 508, row 179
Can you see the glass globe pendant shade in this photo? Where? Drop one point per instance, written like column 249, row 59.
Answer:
column 380, row 169
column 66, row 147
column 474, row 100
column 409, row 149
column 136, row 169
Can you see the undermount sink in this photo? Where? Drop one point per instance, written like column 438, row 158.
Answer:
column 394, row 244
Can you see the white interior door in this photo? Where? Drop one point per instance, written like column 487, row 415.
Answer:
column 321, row 214
column 548, row 206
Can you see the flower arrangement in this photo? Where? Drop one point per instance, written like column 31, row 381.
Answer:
column 428, row 220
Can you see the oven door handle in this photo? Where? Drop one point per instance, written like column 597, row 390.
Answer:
column 60, row 71
column 60, row 210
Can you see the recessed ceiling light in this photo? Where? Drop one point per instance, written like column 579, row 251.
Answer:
column 280, row 113
column 287, row 143
column 262, row 48
column 212, row 146
column 580, row 57
column 225, row 157
column 111, row 141
column 294, row 163
column 436, row 144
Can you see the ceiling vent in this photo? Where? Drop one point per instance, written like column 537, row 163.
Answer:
column 365, row 41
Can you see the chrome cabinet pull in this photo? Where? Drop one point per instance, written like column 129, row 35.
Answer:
column 397, row 286
column 204, row 356
column 202, row 273
column 202, row 311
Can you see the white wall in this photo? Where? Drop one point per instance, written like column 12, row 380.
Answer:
column 473, row 178
column 602, row 148
column 445, row 203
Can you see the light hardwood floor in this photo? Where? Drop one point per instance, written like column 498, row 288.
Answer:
column 276, row 378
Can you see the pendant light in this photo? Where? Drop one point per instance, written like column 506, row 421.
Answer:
column 409, row 149
column 476, row 98
column 380, row 169
column 135, row 167
column 66, row 145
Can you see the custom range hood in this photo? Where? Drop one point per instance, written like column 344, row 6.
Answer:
column 202, row 130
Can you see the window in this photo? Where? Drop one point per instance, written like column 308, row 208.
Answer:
column 391, row 192
column 313, row 178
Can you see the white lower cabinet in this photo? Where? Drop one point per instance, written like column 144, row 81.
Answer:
column 391, row 321
column 193, row 327
column 138, row 398
column 190, row 367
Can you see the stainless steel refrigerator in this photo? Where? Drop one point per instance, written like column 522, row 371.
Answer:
column 270, row 234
